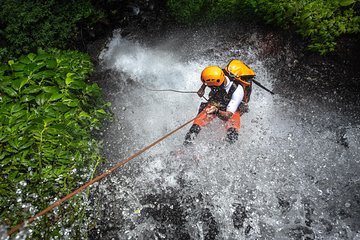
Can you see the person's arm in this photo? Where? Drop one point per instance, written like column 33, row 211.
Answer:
column 233, row 105
column 223, row 115
column 201, row 90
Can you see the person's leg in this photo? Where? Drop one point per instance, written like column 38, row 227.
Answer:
column 191, row 134
column 232, row 128
column 200, row 121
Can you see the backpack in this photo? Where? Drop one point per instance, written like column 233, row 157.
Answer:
column 238, row 71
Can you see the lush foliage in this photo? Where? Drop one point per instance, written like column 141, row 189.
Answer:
column 320, row 22
column 189, row 11
column 27, row 25
column 47, row 114
column 186, row 11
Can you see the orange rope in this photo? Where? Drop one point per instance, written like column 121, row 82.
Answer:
column 96, row 179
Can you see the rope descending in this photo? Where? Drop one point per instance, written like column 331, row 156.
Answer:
column 92, row 181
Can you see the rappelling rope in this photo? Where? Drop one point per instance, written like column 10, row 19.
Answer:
column 170, row 90
column 92, row 181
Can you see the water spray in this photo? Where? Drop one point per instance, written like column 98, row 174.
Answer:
column 259, row 84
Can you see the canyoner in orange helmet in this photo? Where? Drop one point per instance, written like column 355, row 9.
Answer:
column 224, row 100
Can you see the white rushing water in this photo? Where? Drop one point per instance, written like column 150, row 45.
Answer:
column 287, row 177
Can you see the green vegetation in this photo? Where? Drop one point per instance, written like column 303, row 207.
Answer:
column 191, row 11
column 317, row 21
column 320, row 22
column 47, row 115
column 28, row 25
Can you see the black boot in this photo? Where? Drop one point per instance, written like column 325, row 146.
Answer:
column 232, row 135
column 192, row 133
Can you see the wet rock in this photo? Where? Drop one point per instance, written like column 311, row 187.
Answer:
column 171, row 212
column 309, row 210
column 267, row 231
column 284, row 204
column 327, row 225
column 297, row 232
column 239, row 216
column 341, row 137
column 168, row 214
column 210, row 226
column 132, row 10
column 248, row 229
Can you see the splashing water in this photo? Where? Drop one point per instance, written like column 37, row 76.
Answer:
column 287, row 177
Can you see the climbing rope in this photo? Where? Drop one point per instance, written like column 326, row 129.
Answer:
column 170, row 90
column 92, row 181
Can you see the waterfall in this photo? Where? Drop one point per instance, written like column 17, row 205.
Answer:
column 287, row 177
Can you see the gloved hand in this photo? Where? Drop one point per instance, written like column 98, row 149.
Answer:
column 212, row 110
column 201, row 91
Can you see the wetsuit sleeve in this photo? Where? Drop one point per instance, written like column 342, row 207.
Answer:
column 236, row 99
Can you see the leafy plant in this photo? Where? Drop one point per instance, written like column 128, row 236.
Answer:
column 320, row 22
column 47, row 114
column 28, row 25
column 185, row 11
column 190, row 11
column 317, row 21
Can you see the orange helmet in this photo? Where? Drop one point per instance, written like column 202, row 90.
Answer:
column 213, row 76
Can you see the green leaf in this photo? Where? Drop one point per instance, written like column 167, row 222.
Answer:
column 56, row 96
column 27, row 98
column 24, row 59
column 93, row 90
column 101, row 111
column 77, row 85
column 19, row 83
column 31, row 56
column 44, row 74
column 84, row 115
column 16, row 107
column 6, row 161
column 18, row 67
column 14, row 143
column 69, row 74
column 26, row 145
column 3, row 68
column 31, row 89
column 71, row 102
column 48, row 120
column 12, row 175
column 2, row 155
column 11, row 62
column 51, row 112
column 42, row 98
column 18, row 114
column 60, row 107
column 51, row 63
column 68, row 80
column 9, row 91
column 51, row 89
column 345, row 3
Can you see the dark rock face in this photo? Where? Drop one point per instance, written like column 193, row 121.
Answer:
column 239, row 216
column 127, row 14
